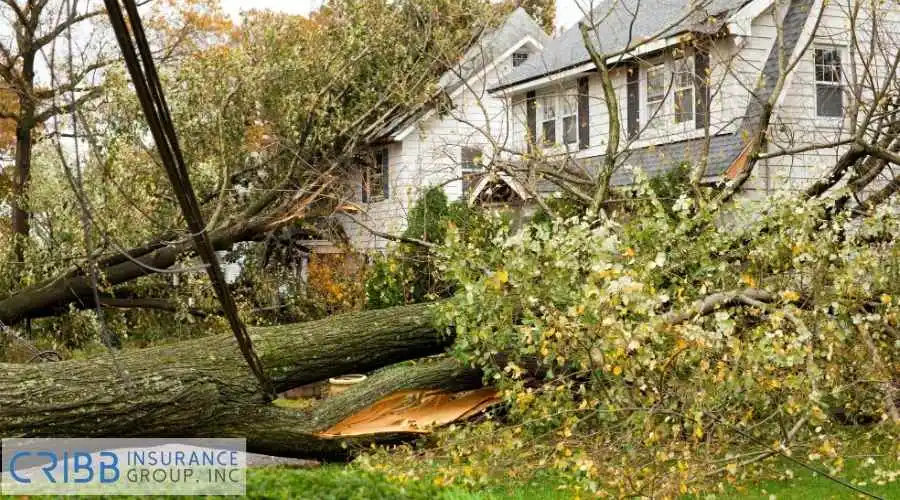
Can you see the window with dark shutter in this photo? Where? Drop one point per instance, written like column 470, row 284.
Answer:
column 829, row 84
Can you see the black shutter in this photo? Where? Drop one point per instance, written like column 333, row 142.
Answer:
column 364, row 185
column 701, row 88
column 531, row 118
column 385, row 173
column 634, row 101
column 584, row 114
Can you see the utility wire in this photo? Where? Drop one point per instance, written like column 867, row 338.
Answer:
column 150, row 94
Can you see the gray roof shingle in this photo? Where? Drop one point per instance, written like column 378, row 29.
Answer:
column 622, row 25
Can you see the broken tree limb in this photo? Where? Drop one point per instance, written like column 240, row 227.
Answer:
column 714, row 302
column 202, row 388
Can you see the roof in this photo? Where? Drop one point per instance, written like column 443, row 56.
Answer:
column 492, row 44
column 626, row 24
column 661, row 158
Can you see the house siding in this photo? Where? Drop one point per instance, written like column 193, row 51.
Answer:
column 741, row 67
column 430, row 156
column 796, row 123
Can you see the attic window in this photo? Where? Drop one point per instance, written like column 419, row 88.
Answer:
column 519, row 58
column 829, row 86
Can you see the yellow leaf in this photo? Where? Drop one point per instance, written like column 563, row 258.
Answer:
column 790, row 296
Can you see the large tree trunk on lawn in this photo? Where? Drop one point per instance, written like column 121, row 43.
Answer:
column 203, row 388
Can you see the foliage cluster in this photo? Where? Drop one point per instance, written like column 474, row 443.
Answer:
column 409, row 273
column 614, row 376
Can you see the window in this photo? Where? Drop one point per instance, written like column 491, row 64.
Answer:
column 656, row 91
column 829, row 85
column 569, row 113
column 559, row 117
column 519, row 58
column 684, row 89
column 471, row 165
column 548, row 120
column 376, row 177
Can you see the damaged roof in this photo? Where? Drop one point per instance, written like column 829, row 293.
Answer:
column 620, row 25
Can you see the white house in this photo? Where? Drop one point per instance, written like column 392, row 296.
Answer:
column 432, row 147
column 685, row 73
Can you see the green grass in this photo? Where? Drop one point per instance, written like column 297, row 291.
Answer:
column 805, row 484
column 349, row 483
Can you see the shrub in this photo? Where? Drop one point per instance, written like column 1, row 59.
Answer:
column 408, row 273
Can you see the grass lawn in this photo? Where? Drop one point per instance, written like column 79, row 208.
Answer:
column 336, row 482
column 809, row 485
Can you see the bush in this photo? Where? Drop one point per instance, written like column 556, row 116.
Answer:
column 408, row 273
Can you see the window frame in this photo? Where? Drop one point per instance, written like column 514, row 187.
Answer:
column 378, row 168
column 470, row 168
column 831, row 84
column 548, row 102
column 679, row 86
column 564, row 107
column 568, row 99
column 654, row 110
column 519, row 58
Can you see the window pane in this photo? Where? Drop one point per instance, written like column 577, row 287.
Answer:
column 519, row 58
column 549, row 129
column 570, row 130
column 684, row 73
column 470, row 158
column 656, row 82
column 829, row 100
column 548, row 107
column 828, row 65
column 684, row 105
column 376, row 179
column 654, row 107
column 569, row 102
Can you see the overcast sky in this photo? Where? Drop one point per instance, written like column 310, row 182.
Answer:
column 567, row 11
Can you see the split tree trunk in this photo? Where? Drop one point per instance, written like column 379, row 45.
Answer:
column 203, row 388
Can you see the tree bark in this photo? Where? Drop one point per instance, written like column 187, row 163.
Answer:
column 203, row 388
column 21, row 216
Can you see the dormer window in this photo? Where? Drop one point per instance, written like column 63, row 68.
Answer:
column 519, row 58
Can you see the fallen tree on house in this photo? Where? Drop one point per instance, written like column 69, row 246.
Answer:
column 203, row 388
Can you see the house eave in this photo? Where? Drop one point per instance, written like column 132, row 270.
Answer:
column 541, row 80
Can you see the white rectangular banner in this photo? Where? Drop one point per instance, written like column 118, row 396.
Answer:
column 130, row 466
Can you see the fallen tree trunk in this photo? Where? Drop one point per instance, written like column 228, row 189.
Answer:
column 203, row 388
